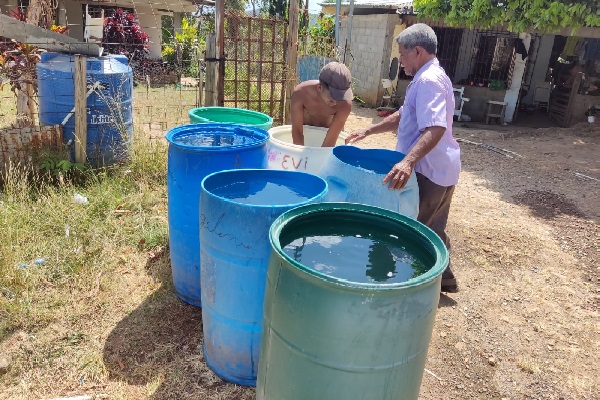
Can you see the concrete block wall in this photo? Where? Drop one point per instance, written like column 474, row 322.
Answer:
column 370, row 48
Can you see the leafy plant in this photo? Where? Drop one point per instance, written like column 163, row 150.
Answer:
column 183, row 51
column 325, row 27
column 123, row 35
column 519, row 15
column 17, row 65
column 62, row 170
column 59, row 29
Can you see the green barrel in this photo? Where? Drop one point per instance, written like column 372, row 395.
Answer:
column 332, row 330
column 238, row 116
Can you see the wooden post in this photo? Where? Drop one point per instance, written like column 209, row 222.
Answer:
column 291, row 59
column 80, row 108
column 211, row 70
column 220, row 50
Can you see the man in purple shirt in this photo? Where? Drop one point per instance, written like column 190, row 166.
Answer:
column 424, row 124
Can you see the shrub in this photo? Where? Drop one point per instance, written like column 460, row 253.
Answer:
column 123, row 35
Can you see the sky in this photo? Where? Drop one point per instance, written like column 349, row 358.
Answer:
column 314, row 7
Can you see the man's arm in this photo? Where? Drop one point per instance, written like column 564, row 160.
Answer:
column 389, row 123
column 400, row 173
column 297, row 111
column 337, row 124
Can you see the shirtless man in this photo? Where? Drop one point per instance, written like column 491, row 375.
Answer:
column 325, row 102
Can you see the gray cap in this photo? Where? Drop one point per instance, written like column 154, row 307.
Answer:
column 338, row 80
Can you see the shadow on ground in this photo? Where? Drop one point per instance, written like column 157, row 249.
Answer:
column 158, row 346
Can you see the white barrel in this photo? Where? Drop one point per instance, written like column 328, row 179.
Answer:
column 282, row 153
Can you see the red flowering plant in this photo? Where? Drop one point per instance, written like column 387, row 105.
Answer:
column 123, row 35
column 18, row 60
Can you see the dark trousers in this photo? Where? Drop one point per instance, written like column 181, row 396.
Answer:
column 434, row 207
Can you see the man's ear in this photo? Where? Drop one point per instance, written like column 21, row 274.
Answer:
column 319, row 87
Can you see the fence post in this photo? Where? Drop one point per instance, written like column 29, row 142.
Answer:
column 211, row 70
column 80, row 108
column 292, row 58
column 220, row 50
column 200, row 84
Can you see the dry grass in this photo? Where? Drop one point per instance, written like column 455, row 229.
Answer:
column 98, row 315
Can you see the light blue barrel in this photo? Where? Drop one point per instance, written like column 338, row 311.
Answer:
column 195, row 151
column 109, row 103
column 350, row 303
column 355, row 175
column 237, row 208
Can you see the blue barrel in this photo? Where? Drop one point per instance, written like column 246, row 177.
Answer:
column 350, row 303
column 237, row 208
column 109, row 104
column 355, row 175
column 196, row 151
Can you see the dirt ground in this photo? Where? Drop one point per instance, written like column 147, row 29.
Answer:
column 524, row 325
column 525, row 248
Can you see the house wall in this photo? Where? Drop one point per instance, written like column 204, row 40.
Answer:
column 151, row 24
column 478, row 97
column 542, row 61
column 476, row 107
column 372, row 40
column 74, row 19
column 581, row 104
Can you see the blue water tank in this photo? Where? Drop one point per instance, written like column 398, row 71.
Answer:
column 109, row 104
column 237, row 208
column 195, row 151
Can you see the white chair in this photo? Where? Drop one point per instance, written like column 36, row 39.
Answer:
column 459, row 101
column 388, row 93
column 541, row 95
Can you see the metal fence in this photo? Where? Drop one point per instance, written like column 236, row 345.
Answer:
column 163, row 45
column 255, row 61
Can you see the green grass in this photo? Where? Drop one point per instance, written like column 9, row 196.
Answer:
column 8, row 106
column 41, row 220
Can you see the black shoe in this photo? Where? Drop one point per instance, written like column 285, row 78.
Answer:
column 449, row 285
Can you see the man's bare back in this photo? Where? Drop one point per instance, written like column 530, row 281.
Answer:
column 313, row 104
column 316, row 111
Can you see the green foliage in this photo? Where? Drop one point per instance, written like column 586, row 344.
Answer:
column 183, row 51
column 325, row 27
column 51, row 247
column 519, row 15
column 238, row 5
column 55, row 168
column 167, row 28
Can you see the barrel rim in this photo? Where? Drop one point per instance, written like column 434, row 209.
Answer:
column 229, row 110
column 261, row 136
column 312, row 199
column 346, row 147
column 343, row 135
column 441, row 253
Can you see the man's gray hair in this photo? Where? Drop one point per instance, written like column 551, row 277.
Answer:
column 418, row 35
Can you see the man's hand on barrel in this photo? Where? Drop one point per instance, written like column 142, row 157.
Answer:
column 399, row 175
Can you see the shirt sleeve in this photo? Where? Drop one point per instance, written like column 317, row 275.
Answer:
column 431, row 105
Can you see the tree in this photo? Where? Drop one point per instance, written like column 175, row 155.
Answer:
column 238, row 5
column 519, row 15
